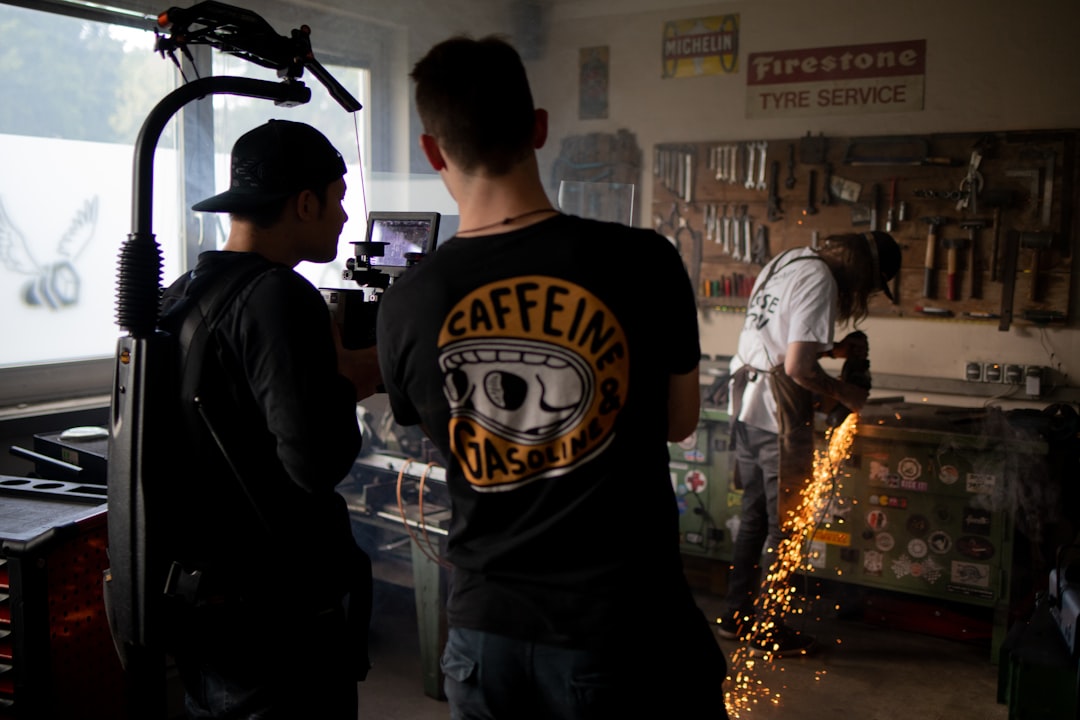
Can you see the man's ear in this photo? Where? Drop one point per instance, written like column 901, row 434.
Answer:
column 434, row 155
column 307, row 205
column 540, row 128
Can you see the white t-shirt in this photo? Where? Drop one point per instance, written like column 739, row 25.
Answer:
column 795, row 303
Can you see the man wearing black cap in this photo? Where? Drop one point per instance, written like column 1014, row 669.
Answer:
column 798, row 299
column 263, row 558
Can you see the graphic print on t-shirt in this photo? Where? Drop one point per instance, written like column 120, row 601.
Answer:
column 535, row 370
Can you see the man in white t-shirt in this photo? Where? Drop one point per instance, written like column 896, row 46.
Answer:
column 798, row 300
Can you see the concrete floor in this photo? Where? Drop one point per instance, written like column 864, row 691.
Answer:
column 865, row 669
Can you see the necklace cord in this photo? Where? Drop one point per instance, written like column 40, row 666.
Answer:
column 508, row 220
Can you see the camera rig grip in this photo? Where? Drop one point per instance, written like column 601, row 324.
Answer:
column 242, row 33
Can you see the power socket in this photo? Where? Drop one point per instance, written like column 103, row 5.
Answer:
column 1033, row 380
column 992, row 372
column 973, row 372
column 1014, row 375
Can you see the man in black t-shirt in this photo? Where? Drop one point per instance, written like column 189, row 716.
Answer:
column 550, row 359
column 260, row 542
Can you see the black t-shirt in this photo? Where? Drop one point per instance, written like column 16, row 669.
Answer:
column 538, row 361
column 287, row 420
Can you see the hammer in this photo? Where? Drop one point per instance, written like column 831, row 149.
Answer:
column 952, row 245
column 973, row 225
column 1036, row 242
column 935, row 221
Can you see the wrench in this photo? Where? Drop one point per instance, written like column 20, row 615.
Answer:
column 733, row 159
column 751, row 150
column 736, row 237
column 725, row 231
column 748, row 227
column 761, row 185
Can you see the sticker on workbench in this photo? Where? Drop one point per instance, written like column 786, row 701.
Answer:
column 696, row 481
column 931, row 571
column 918, row 525
column 909, row 468
column 917, row 548
column 914, row 485
column 873, row 561
column 976, row 548
column 981, row 484
column 689, row 442
column 815, row 557
column 877, row 520
column 948, row 474
column 969, row 573
column 939, row 542
column 889, row 501
column 832, row 537
column 879, row 473
column 901, row 566
column 976, row 520
column 884, row 542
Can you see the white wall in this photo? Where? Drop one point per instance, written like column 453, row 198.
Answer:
column 991, row 65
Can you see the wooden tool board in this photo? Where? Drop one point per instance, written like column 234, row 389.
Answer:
column 1021, row 186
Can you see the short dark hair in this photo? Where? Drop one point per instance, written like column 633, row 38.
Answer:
column 267, row 215
column 473, row 97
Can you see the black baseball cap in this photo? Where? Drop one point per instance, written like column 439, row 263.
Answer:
column 272, row 162
column 885, row 253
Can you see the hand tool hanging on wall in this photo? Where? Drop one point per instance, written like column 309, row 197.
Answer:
column 1048, row 188
column 1008, row 278
column 934, row 222
column 811, row 208
column 975, row 264
column 892, row 151
column 890, row 214
column 971, row 185
column 759, row 253
column 998, row 200
column 952, row 249
column 813, row 150
column 751, row 153
column 789, row 182
column 875, row 206
column 763, row 147
column 1036, row 242
column 774, row 212
column 826, row 185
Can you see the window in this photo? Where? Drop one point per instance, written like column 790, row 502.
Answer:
column 75, row 94
column 77, row 89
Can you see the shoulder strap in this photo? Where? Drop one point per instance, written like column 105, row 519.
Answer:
column 194, row 340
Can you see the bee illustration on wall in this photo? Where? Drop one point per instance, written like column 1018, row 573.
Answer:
column 55, row 282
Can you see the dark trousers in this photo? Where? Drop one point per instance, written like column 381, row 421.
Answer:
column 681, row 674
column 757, row 457
column 236, row 664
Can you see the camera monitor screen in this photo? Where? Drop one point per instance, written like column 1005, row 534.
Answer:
column 403, row 232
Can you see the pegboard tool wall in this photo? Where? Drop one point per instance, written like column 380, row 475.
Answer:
column 985, row 220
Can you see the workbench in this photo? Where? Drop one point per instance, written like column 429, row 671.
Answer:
column 925, row 505
column 401, row 557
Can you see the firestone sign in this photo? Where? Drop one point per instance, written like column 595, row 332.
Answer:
column 849, row 79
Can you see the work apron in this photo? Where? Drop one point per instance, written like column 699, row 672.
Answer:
column 795, row 435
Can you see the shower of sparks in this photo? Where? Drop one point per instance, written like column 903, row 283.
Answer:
column 747, row 688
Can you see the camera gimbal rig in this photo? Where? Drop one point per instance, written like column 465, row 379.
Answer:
column 144, row 374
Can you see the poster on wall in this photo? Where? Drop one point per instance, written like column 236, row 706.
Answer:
column 842, row 80
column 593, row 64
column 701, row 46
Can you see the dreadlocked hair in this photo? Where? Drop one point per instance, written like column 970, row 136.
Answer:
column 848, row 256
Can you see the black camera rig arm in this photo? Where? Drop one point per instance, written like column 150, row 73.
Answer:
column 242, row 33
